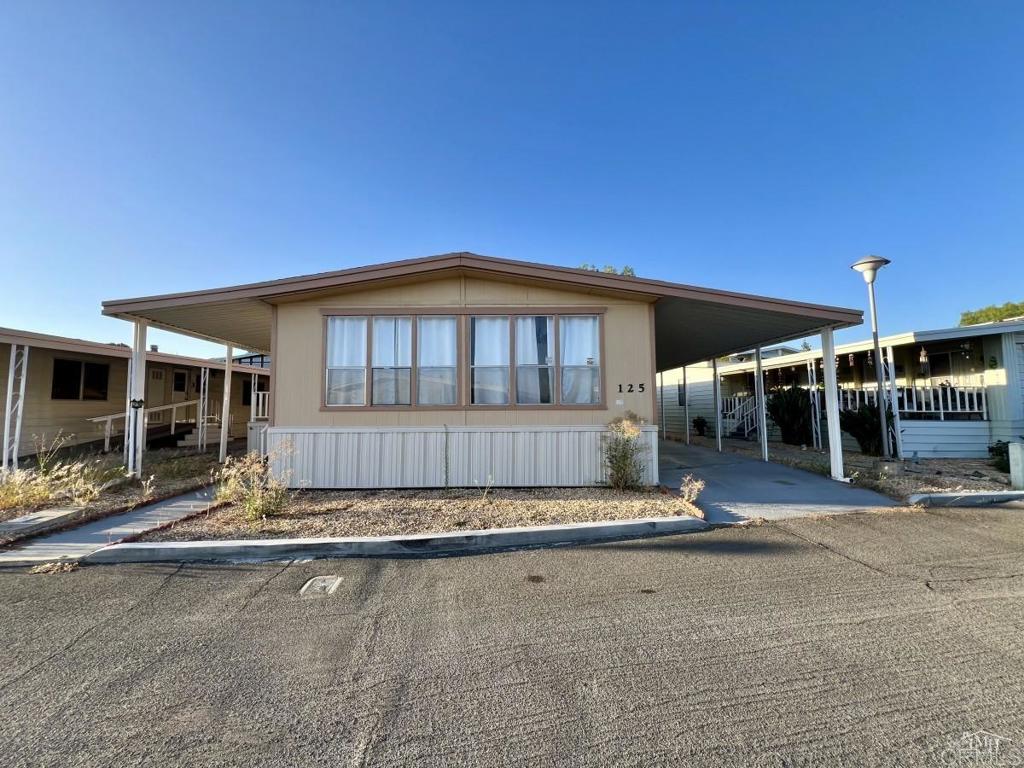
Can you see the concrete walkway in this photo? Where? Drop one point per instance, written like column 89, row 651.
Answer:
column 738, row 488
column 76, row 543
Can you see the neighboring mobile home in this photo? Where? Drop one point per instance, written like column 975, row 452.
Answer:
column 78, row 389
column 958, row 390
column 463, row 370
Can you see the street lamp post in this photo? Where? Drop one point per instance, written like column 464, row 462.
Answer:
column 868, row 267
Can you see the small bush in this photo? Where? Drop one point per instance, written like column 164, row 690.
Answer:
column 790, row 409
column 623, row 451
column 862, row 424
column 700, row 425
column 1000, row 453
column 690, row 488
column 248, row 483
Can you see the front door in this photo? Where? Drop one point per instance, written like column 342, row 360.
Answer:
column 179, row 385
column 156, row 395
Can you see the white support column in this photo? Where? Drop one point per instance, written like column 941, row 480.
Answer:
column 686, row 405
column 835, row 439
column 891, row 371
column 253, row 389
column 135, row 419
column 661, row 400
column 14, row 407
column 762, row 418
column 717, row 389
column 225, row 411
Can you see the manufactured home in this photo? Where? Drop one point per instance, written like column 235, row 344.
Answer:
column 956, row 390
column 52, row 385
column 463, row 370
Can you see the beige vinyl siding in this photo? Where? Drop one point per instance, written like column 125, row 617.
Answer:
column 701, row 395
column 299, row 365
column 44, row 417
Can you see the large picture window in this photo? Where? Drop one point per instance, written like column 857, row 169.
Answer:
column 489, row 360
column 580, row 354
column 428, row 360
column 346, row 361
column 437, row 361
column 78, row 380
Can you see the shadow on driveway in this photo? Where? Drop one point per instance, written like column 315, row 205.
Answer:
column 737, row 488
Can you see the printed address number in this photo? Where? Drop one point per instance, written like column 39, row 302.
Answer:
column 632, row 388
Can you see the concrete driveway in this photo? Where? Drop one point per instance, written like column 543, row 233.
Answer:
column 737, row 488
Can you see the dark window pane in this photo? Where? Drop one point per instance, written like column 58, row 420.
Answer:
column 180, row 381
column 67, row 380
column 94, row 381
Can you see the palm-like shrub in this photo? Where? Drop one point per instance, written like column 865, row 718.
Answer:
column 862, row 425
column 790, row 409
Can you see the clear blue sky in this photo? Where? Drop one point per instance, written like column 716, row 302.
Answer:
column 153, row 147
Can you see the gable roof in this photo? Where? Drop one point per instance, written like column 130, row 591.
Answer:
column 241, row 314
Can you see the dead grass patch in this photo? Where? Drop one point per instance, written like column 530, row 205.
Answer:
column 403, row 512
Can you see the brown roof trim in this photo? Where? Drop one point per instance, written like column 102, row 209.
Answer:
column 487, row 265
column 98, row 348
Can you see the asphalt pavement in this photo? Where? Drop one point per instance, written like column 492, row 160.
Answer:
column 861, row 639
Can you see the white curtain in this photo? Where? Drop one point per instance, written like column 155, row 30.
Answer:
column 436, row 342
column 346, row 342
column 490, row 341
column 535, row 341
column 579, row 340
column 392, row 342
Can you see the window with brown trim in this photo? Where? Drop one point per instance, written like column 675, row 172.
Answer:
column 508, row 359
column 79, row 380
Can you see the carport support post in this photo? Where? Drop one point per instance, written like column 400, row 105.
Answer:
column 135, row 419
column 661, row 400
column 762, row 419
column 835, row 438
column 717, row 389
column 686, row 406
column 225, row 410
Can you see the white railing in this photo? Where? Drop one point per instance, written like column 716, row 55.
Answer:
column 739, row 414
column 260, row 406
column 932, row 400
column 171, row 411
column 939, row 401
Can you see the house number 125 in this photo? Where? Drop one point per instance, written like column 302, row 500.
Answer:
column 632, row 388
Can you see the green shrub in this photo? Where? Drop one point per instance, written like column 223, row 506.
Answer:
column 862, row 424
column 623, row 451
column 1000, row 453
column 247, row 482
column 700, row 426
column 790, row 409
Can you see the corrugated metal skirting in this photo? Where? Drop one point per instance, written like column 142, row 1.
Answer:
column 435, row 457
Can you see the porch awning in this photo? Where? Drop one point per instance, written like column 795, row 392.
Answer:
column 692, row 324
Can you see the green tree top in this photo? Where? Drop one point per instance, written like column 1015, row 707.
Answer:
column 992, row 313
column 608, row 269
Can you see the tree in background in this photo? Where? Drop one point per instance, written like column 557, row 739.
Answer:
column 992, row 313
column 608, row 269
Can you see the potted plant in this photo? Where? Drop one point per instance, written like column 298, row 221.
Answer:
column 700, row 424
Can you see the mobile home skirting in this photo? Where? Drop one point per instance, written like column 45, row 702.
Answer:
column 438, row 457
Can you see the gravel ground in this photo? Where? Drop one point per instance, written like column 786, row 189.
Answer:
column 856, row 640
column 389, row 513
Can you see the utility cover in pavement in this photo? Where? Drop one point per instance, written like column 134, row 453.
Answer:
column 320, row 586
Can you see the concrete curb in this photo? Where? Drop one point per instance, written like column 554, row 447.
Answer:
column 968, row 499
column 419, row 545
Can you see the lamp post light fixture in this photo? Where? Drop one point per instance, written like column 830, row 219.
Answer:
column 868, row 267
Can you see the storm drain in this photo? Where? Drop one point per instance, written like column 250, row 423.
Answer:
column 320, row 586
